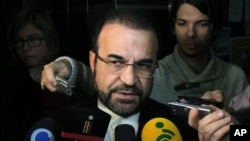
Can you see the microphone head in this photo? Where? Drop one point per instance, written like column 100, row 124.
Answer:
column 42, row 134
column 159, row 129
column 124, row 132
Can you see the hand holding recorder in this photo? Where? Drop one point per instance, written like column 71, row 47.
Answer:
column 211, row 121
column 56, row 68
column 213, row 127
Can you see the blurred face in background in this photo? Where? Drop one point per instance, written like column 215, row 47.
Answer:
column 31, row 46
column 192, row 30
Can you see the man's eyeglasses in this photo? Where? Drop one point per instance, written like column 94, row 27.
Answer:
column 32, row 42
column 142, row 70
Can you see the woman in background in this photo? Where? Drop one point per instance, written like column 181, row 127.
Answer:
column 32, row 40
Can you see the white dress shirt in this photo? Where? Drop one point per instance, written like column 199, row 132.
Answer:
column 117, row 120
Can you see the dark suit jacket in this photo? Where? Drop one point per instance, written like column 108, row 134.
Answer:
column 72, row 120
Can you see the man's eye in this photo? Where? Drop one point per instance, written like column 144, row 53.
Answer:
column 117, row 63
column 143, row 66
column 203, row 24
column 33, row 39
column 180, row 23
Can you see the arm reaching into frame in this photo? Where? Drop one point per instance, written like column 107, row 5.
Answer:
column 78, row 76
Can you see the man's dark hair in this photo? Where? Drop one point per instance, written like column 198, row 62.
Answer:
column 211, row 8
column 134, row 19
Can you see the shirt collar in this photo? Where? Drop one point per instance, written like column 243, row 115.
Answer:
column 117, row 119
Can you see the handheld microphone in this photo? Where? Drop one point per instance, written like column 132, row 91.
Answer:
column 42, row 134
column 124, row 132
column 158, row 129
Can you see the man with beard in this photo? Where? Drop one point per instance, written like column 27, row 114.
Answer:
column 122, row 60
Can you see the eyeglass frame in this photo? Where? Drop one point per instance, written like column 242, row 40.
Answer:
column 124, row 65
column 28, row 42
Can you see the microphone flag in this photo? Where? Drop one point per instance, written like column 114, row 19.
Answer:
column 42, row 134
column 160, row 129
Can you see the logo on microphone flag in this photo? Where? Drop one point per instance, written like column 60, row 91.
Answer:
column 160, row 129
column 42, row 134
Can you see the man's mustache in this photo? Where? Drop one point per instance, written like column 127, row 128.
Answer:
column 135, row 90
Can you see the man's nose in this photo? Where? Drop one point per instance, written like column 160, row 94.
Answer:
column 191, row 30
column 129, row 76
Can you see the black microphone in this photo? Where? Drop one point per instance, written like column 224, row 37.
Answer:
column 46, row 129
column 124, row 132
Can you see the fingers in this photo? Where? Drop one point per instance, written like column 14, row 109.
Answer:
column 61, row 68
column 216, row 95
column 221, row 133
column 193, row 118
column 214, row 126
column 48, row 77
column 215, row 131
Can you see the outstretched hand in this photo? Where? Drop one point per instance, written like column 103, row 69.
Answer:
column 48, row 79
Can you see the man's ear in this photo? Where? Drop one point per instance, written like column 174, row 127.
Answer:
column 92, row 60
